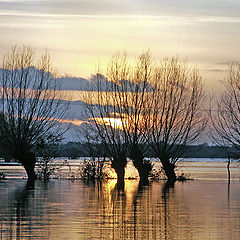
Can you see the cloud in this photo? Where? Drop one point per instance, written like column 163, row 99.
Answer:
column 74, row 83
column 14, row 1
column 227, row 62
column 135, row 7
column 216, row 19
column 215, row 70
column 65, row 7
column 160, row 19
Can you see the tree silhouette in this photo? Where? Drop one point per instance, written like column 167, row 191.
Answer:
column 30, row 106
column 140, row 105
column 103, row 107
column 176, row 112
column 226, row 119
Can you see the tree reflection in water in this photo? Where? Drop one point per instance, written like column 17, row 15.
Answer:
column 144, row 213
column 21, row 214
column 21, row 207
column 75, row 210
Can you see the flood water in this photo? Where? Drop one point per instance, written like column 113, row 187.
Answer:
column 207, row 208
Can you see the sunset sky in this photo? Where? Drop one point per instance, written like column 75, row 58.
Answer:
column 81, row 33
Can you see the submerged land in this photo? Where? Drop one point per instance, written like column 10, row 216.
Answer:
column 207, row 208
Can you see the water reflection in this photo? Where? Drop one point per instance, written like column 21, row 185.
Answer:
column 20, row 216
column 75, row 210
column 20, row 202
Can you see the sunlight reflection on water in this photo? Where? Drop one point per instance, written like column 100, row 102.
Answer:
column 63, row 209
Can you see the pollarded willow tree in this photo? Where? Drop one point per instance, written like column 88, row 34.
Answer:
column 30, row 106
column 136, row 118
column 226, row 118
column 176, row 108
column 103, row 105
column 142, row 105
column 118, row 113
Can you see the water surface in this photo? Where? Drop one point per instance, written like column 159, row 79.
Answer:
column 64, row 209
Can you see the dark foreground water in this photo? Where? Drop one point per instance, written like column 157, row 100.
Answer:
column 64, row 209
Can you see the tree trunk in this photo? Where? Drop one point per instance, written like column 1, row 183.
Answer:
column 28, row 161
column 144, row 177
column 169, row 171
column 228, row 167
column 120, row 178
column 143, row 167
column 228, row 170
column 119, row 165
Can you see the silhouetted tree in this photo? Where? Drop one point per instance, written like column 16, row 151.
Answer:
column 120, row 112
column 104, row 109
column 142, row 104
column 134, row 101
column 226, row 119
column 176, row 112
column 30, row 105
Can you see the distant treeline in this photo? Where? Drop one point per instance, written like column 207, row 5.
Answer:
column 75, row 150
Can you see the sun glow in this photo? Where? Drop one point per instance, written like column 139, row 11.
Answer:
column 116, row 123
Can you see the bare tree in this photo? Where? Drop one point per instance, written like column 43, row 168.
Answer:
column 120, row 113
column 30, row 106
column 135, row 99
column 143, row 105
column 226, row 119
column 176, row 112
column 103, row 106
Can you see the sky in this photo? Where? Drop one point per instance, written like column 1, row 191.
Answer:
column 80, row 34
